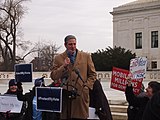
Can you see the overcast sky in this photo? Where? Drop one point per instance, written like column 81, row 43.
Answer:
column 89, row 20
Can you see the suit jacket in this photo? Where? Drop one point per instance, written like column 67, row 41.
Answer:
column 83, row 63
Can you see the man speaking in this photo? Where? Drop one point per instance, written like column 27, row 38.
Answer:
column 81, row 75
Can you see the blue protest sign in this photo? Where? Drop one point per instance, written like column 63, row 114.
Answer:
column 49, row 99
column 23, row 72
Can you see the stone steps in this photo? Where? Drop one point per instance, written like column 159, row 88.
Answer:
column 119, row 116
column 119, row 112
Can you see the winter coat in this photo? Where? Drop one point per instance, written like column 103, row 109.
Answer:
column 77, row 87
column 139, row 102
column 132, row 111
column 28, row 97
column 98, row 100
column 152, row 111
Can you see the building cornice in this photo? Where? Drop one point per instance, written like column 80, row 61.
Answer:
column 136, row 7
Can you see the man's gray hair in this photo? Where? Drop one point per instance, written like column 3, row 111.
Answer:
column 68, row 37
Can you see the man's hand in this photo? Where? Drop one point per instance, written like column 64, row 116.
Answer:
column 66, row 62
column 129, row 81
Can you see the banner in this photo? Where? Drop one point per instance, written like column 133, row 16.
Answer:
column 138, row 67
column 23, row 72
column 10, row 103
column 49, row 99
column 118, row 80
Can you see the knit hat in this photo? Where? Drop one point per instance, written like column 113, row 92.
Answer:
column 39, row 82
column 12, row 82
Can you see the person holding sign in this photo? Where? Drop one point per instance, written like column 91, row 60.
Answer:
column 133, row 110
column 77, row 73
column 140, row 102
column 12, row 87
column 31, row 112
column 12, row 91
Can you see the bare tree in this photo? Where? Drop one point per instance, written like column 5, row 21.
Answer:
column 11, row 13
column 45, row 55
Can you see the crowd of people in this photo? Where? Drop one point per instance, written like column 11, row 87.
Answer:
column 145, row 106
column 74, row 71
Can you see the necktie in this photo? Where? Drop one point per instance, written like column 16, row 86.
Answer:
column 72, row 59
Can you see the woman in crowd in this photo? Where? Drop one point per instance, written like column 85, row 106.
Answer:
column 152, row 111
column 140, row 102
column 8, row 115
column 133, row 110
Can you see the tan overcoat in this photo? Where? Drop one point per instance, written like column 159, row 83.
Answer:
column 83, row 63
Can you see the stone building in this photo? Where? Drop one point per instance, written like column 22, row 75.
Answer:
column 136, row 26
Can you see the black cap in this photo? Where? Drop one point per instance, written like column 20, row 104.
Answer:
column 12, row 82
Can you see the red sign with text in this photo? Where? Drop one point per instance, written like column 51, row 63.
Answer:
column 119, row 81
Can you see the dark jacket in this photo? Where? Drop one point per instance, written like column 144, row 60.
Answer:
column 137, row 102
column 28, row 97
column 98, row 100
column 152, row 111
column 132, row 111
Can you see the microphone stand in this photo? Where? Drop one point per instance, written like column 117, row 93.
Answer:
column 68, row 104
column 70, row 96
column 66, row 97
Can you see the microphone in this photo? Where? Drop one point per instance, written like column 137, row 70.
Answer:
column 78, row 73
column 64, row 79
